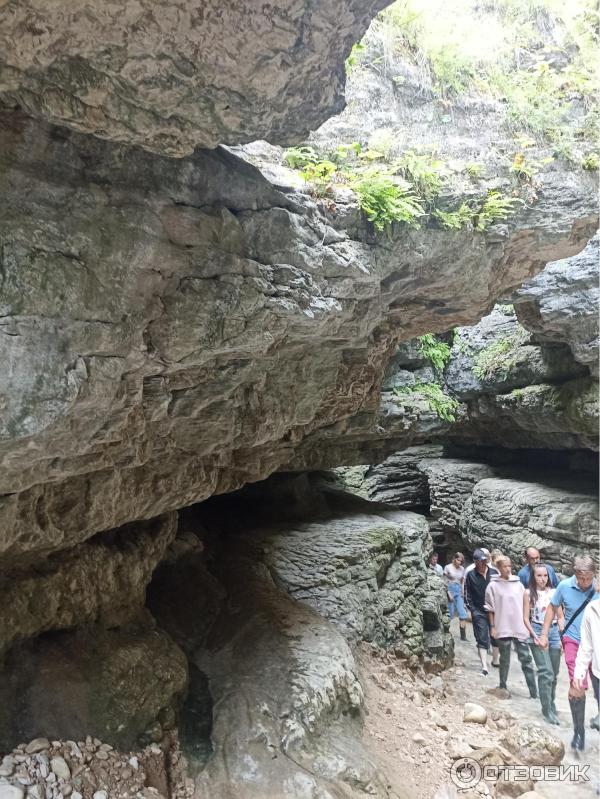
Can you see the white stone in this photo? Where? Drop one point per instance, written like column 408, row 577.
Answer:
column 474, row 713
column 7, row 767
column 133, row 761
column 60, row 767
column 11, row 792
column 100, row 795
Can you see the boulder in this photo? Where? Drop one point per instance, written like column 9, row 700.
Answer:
column 534, row 745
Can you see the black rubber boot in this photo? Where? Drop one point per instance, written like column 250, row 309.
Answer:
column 463, row 633
column 578, row 713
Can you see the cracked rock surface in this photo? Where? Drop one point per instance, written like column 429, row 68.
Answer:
column 171, row 76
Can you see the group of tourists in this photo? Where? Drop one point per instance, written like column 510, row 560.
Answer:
column 536, row 615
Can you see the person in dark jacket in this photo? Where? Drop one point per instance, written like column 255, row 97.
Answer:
column 476, row 583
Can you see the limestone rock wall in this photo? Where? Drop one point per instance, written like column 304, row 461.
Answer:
column 176, row 329
column 103, row 580
column 561, row 304
column 172, row 77
column 499, row 503
column 561, row 521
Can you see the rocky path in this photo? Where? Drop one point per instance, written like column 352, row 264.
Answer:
column 415, row 726
column 525, row 709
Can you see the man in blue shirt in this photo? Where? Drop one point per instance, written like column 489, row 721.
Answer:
column 532, row 556
column 573, row 594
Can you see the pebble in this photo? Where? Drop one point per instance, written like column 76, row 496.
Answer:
column 11, row 792
column 75, row 750
column 133, row 761
column 418, row 738
column 7, row 767
column 60, row 768
column 100, row 795
column 474, row 713
column 37, row 745
column 36, row 792
column 101, row 754
column 76, row 795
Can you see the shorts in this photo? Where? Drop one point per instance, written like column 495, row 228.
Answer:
column 481, row 629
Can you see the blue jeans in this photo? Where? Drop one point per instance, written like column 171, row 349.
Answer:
column 456, row 603
column 553, row 634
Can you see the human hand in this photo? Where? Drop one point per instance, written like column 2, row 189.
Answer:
column 493, row 632
column 543, row 639
column 578, row 685
column 536, row 640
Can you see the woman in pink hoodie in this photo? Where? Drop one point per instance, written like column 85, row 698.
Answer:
column 504, row 603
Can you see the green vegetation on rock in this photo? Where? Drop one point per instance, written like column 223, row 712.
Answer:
column 437, row 352
column 537, row 57
column 499, row 358
column 440, row 403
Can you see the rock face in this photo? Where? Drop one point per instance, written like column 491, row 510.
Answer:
column 187, row 302
column 283, row 683
column 113, row 684
column 171, row 77
column 504, row 505
column 561, row 521
column 366, row 574
column 397, row 481
column 103, row 580
column 561, row 304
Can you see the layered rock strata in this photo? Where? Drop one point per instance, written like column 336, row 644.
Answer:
column 189, row 301
column 501, row 505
